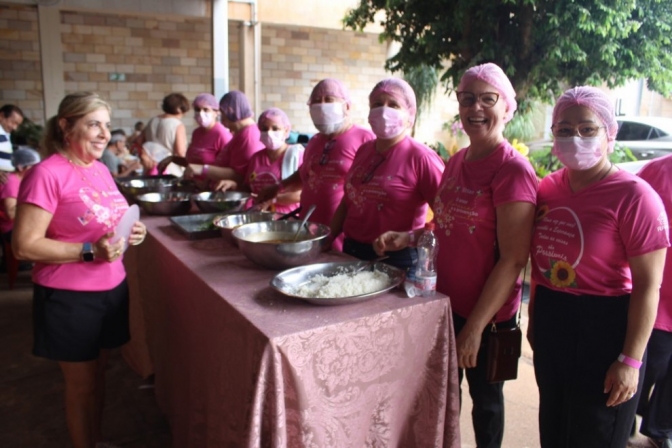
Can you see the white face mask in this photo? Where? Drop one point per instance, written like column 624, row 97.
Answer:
column 578, row 153
column 327, row 117
column 204, row 119
column 273, row 139
column 387, row 123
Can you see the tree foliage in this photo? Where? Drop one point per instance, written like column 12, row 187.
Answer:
column 542, row 45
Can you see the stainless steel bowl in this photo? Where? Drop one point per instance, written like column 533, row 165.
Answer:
column 269, row 243
column 229, row 222
column 174, row 203
column 136, row 187
column 220, row 201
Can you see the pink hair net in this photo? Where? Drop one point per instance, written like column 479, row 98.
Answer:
column 595, row 100
column 398, row 89
column 235, row 107
column 332, row 87
column 206, row 99
column 495, row 76
column 276, row 114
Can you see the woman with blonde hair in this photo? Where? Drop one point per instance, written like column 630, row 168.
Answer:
column 67, row 214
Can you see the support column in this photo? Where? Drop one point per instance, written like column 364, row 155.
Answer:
column 51, row 55
column 220, row 47
column 250, row 56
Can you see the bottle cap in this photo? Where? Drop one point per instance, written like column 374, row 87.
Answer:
column 429, row 226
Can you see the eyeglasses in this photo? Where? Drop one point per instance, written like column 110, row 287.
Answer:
column 485, row 99
column 562, row 130
column 325, row 152
column 369, row 175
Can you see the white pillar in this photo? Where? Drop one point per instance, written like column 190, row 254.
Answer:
column 51, row 56
column 220, row 47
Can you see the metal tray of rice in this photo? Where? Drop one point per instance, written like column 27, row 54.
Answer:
column 337, row 283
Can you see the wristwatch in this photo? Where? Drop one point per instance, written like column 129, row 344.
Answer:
column 87, row 252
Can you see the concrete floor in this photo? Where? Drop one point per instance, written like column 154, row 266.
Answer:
column 31, row 405
column 31, row 389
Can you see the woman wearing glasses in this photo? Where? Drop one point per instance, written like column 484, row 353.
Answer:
column 484, row 211
column 328, row 156
column 598, row 251
column 391, row 178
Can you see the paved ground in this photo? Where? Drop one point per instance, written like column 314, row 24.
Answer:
column 31, row 409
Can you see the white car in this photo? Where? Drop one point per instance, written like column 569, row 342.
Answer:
column 646, row 137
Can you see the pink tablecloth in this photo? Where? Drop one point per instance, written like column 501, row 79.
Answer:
column 239, row 364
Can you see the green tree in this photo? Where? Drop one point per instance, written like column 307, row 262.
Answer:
column 542, row 45
column 424, row 80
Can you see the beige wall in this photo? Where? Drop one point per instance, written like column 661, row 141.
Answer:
column 171, row 53
column 20, row 72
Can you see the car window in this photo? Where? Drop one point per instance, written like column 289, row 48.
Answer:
column 628, row 131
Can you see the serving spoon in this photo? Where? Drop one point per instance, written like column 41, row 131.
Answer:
column 369, row 264
column 305, row 219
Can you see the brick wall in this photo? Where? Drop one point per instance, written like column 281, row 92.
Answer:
column 156, row 57
column 294, row 59
column 20, row 71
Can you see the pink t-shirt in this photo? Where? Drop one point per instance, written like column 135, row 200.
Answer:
column 10, row 190
column 390, row 191
column 466, row 225
column 582, row 241
column 85, row 204
column 262, row 173
column 658, row 173
column 323, row 183
column 238, row 152
column 207, row 143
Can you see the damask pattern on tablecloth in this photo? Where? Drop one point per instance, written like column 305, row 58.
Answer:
column 351, row 386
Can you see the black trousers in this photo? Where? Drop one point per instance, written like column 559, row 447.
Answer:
column 576, row 339
column 656, row 408
column 487, row 413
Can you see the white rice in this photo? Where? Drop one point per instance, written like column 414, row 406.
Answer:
column 343, row 285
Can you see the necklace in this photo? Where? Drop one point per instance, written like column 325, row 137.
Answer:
column 86, row 179
column 611, row 165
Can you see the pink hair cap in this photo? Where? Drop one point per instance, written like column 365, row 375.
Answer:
column 275, row 114
column 235, row 107
column 206, row 99
column 495, row 76
column 398, row 89
column 595, row 100
column 329, row 87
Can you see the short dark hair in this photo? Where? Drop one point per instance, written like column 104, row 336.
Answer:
column 175, row 103
column 8, row 109
column 139, row 125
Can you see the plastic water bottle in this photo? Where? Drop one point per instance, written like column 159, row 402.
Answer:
column 425, row 271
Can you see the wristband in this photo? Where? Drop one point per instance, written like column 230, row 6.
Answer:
column 281, row 188
column 630, row 362
column 204, row 171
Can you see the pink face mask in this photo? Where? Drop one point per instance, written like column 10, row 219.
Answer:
column 387, row 123
column 578, row 153
column 204, row 119
column 272, row 139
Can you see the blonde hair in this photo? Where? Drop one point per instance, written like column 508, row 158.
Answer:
column 73, row 107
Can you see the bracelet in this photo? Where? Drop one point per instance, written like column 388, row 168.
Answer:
column 630, row 362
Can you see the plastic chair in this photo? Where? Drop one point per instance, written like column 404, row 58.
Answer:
column 11, row 262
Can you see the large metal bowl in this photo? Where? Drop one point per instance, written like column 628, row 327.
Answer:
column 174, row 203
column 136, row 187
column 270, row 244
column 220, row 201
column 288, row 282
column 229, row 222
